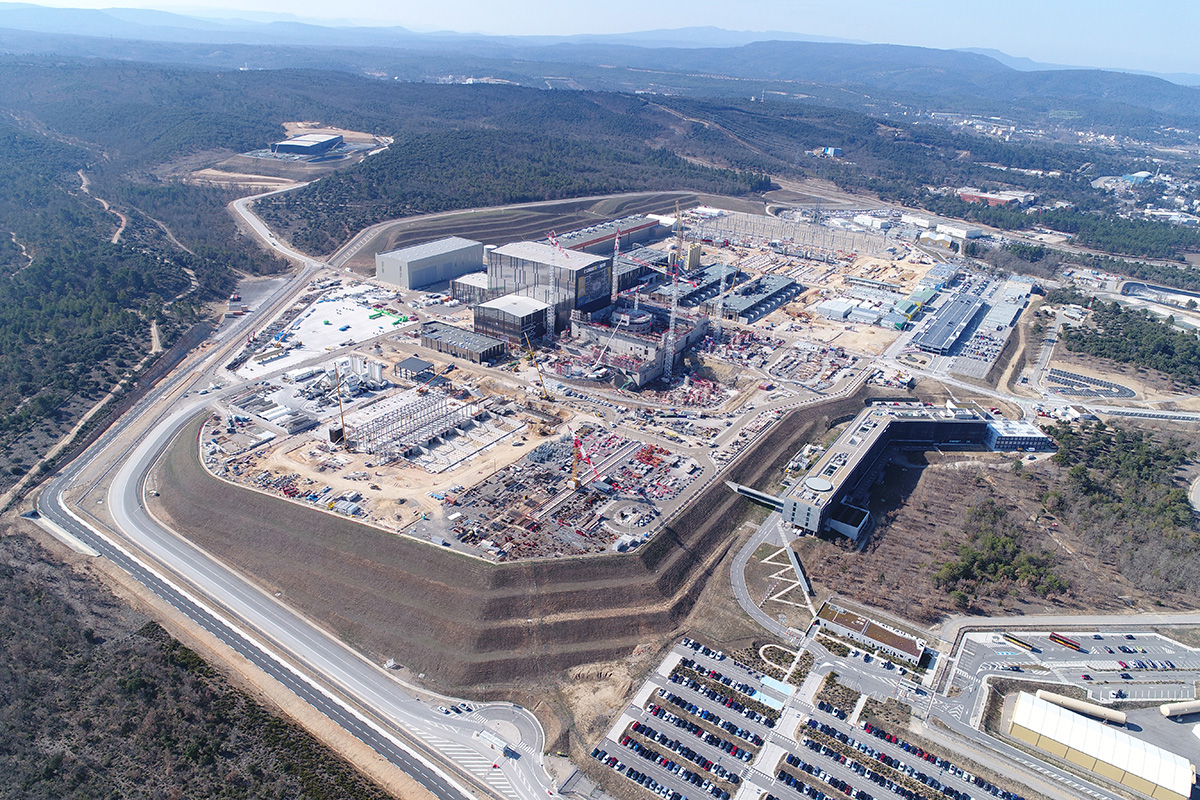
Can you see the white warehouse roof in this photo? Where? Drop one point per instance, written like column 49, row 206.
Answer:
column 312, row 138
column 549, row 254
column 438, row 247
column 1105, row 743
column 516, row 305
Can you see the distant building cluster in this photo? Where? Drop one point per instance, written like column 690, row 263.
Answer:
column 1004, row 198
column 563, row 286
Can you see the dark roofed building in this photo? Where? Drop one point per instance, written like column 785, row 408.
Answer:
column 412, row 368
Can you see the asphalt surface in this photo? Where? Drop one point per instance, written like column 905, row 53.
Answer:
column 439, row 785
column 441, row 751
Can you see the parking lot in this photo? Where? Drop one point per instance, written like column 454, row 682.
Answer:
column 830, row 756
column 695, row 727
column 1138, row 666
column 705, row 726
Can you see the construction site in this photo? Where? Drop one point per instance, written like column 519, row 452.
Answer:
column 593, row 395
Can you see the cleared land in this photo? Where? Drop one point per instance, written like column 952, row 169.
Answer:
column 920, row 507
column 463, row 622
column 516, row 224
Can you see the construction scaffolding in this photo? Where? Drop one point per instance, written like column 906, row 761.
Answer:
column 413, row 426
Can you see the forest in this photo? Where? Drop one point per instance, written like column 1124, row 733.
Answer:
column 1122, row 491
column 78, row 307
column 1105, row 232
column 100, row 702
column 430, row 172
column 1000, row 556
column 1132, row 336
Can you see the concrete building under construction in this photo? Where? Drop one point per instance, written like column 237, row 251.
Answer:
column 566, row 280
column 633, row 343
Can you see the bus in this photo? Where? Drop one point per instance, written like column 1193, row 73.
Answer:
column 1063, row 641
column 1008, row 637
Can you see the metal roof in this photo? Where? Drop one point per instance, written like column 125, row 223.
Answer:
column 516, row 305
column 311, row 138
column 549, row 254
column 949, row 324
column 605, row 230
column 1105, row 743
column 468, row 340
column 437, row 247
column 476, row 279
column 414, row 365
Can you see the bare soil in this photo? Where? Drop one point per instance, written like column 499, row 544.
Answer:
column 506, row 225
column 1150, row 385
column 465, row 623
column 919, row 508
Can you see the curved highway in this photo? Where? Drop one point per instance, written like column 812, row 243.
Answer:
column 444, row 753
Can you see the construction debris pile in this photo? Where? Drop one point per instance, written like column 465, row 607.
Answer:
column 814, row 367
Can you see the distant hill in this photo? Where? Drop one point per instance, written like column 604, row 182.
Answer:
column 876, row 79
column 1029, row 65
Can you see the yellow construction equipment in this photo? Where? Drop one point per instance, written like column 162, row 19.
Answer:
column 545, row 394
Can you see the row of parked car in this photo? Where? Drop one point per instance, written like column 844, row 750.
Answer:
column 837, row 783
column 709, row 738
column 691, row 727
column 898, row 765
column 637, row 777
column 942, row 763
column 744, row 688
column 883, row 781
column 676, row 768
column 721, row 699
column 699, row 648
column 830, row 708
column 704, row 713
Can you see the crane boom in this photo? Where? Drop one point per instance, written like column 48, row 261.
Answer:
column 616, row 252
column 604, row 349
column 545, row 393
column 669, row 364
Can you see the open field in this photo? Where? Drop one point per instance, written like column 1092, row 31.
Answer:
column 920, row 510
column 460, row 621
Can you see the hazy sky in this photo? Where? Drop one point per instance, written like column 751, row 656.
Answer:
column 1156, row 35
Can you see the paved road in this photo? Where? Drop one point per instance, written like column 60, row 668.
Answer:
column 320, row 669
column 241, row 207
column 50, row 507
column 442, row 752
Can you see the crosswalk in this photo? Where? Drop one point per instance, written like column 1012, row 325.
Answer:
column 478, row 764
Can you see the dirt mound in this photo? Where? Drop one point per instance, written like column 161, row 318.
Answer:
column 461, row 621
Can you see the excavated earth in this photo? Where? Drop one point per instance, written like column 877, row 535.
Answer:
column 460, row 621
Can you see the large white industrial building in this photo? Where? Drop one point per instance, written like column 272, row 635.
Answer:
column 433, row 262
column 1102, row 749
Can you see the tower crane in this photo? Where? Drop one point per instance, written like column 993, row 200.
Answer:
column 616, row 252
column 668, row 369
column 545, row 393
column 669, row 365
column 719, row 314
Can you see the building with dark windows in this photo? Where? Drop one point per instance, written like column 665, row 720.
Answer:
column 514, row 318
column 832, row 494
column 477, row 348
column 566, row 280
